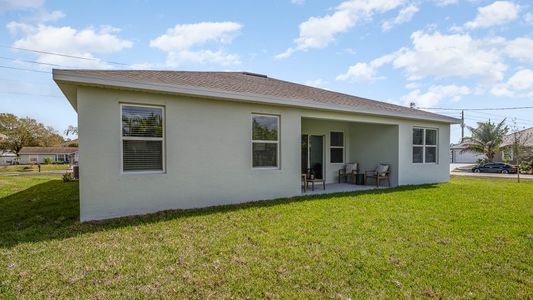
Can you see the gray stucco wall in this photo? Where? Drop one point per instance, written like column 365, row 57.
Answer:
column 208, row 156
column 208, row 153
column 373, row 144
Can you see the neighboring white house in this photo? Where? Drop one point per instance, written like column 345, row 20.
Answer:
column 7, row 158
column 460, row 155
column 34, row 155
column 157, row 140
column 526, row 139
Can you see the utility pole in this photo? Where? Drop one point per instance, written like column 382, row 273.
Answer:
column 462, row 125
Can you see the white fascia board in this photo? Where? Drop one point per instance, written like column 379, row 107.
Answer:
column 64, row 76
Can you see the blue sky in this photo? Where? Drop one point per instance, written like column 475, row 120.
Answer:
column 437, row 53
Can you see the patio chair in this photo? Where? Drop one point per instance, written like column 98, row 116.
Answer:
column 348, row 171
column 382, row 172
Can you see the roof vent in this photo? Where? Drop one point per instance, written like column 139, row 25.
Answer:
column 255, row 74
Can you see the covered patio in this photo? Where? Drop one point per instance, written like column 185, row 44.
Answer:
column 327, row 145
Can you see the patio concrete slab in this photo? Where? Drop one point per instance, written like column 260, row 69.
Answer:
column 339, row 188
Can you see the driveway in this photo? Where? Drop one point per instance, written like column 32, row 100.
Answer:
column 454, row 166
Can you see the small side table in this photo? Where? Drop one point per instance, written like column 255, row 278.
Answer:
column 318, row 181
column 360, row 179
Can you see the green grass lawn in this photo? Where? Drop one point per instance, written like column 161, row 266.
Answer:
column 470, row 238
column 34, row 168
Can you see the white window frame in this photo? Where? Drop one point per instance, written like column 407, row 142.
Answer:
column 162, row 139
column 338, row 147
column 252, row 141
column 424, row 146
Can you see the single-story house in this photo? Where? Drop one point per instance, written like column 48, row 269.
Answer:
column 459, row 155
column 180, row 140
column 526, row 139
column 7, row 158
column 37, row 155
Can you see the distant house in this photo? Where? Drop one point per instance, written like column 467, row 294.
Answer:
column 459, row 154
column 29, row 155
column 7, row 158
column 527, row 140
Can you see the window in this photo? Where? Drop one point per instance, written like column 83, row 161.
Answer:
column 424, row 145
column 336, row 147
column 265, row 141
column 142, row 138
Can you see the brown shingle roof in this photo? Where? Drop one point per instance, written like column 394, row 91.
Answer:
column 254, row 84
column 48, row 150
column 526, row 135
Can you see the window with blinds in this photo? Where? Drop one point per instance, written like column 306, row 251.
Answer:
column 265, row 141
column 142, row 138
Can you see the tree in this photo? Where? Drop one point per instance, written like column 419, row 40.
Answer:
column 486, row 138
column 24, row 132
column 519, row 141
column 71, row 130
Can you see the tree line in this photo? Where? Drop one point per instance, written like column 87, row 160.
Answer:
column 26, row 132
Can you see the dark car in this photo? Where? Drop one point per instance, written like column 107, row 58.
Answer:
column 494, row 168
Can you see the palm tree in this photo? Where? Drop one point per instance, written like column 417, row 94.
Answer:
column 486, row 138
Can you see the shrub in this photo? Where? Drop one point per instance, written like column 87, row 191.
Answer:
column 526, row 167
column 68, row 177
column 47, row 160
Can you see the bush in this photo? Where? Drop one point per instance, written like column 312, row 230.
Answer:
column 68, row 177
column 47, row 160
column 526, row 167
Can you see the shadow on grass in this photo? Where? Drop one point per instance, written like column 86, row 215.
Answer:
column 50, row 211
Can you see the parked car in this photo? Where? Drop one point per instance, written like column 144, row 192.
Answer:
column 494, row 168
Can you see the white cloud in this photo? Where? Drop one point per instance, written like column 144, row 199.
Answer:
column 439, row 55
column 520, row 48
column 184, row 36
column 519, row 85
column 7, row 5
column 359, row 72
column 445, row 2
column 47, row 16
column 298, row 2
column 497, row 13
column 436, row 94
column 318, row 83
column 176, row 58
column 412, row 85
column 67, row 40
column 366, row 71
column 319, row 32
column 405, row 15
column 179, row 43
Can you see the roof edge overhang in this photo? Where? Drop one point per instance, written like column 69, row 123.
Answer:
column 68, row 83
